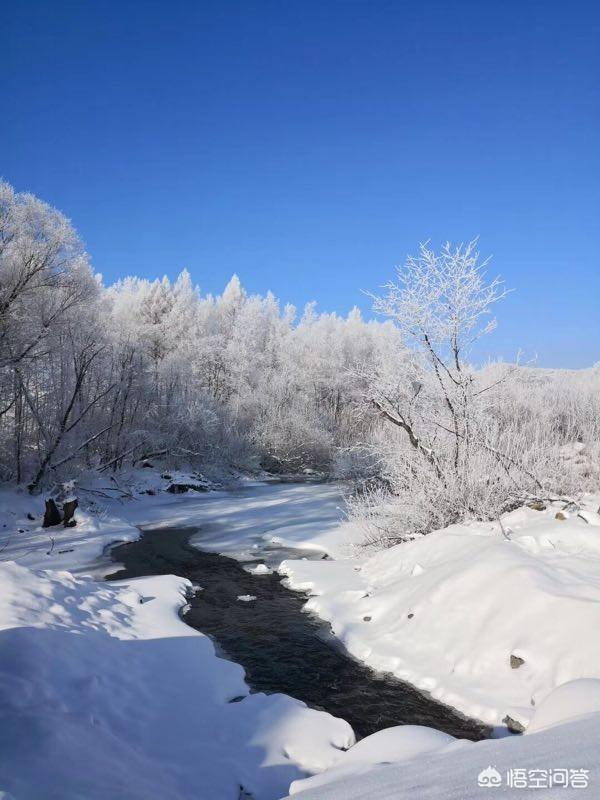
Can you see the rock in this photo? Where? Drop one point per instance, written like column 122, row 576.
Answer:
column 182, row 488
column 146, row 465
column 69, row 507
column 177, row 488
column 560, row 515
column 516, row 661
column 537, row 505
column 51, row 515
column 513, row 725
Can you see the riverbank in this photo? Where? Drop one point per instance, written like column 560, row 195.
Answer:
column 259, row 623
column 106, row 692
column 487, row 617
column 65, row 694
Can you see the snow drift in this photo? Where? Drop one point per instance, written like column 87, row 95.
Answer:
column 485, row 623
column 559, row 761
column 105, row 692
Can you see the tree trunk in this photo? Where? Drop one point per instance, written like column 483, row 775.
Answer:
column 51, row 515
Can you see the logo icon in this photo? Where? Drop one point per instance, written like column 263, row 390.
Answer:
column 489, row 777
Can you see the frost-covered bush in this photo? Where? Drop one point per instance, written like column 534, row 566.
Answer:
column 464, row 442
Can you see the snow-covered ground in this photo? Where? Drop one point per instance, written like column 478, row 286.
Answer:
column 106, row 695
column 105, row 692
column 259, row 515
column 412, row 762
column 485, row 623
column 239, row 523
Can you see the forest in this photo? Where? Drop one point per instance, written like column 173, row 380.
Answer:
column 97, row 378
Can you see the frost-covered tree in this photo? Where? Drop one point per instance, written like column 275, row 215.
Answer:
column 46, row 289
column 458, row 452
column 442, row 305
column 97, row 378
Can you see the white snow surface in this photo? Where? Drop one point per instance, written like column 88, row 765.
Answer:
column 259, row 520
column 569, row 701
column 105, row 692
column 240, row 523
column 388, row 746
column 75, row 549
column 417, row 763
column 260, row 569
column 447, row 611
column 103, row 695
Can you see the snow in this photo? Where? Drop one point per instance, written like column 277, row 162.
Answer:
column 430, row 759
column 260, row 569
column 105, row 692
column 452, row 771
column 258, row 521
column 307, row 516
column 137, row 704
column 388, row 746
column 569, row 701
column 447, row 611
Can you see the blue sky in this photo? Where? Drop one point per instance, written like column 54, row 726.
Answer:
column 309, row 146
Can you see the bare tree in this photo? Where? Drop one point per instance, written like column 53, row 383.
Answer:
column 442, row 304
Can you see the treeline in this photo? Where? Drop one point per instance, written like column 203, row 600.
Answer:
column 100, row 378
column 96, row 377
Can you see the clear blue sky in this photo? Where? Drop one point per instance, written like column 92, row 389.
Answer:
column 308, row 146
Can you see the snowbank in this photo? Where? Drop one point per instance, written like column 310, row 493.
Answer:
column 110, row 509
column 570, row 701
column 487, row 624
column 77, row 549
column 406, row 763
column 388, row 746
column 256, row 521
column 105, row 692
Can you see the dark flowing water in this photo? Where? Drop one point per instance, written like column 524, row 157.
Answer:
column 282, row 648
